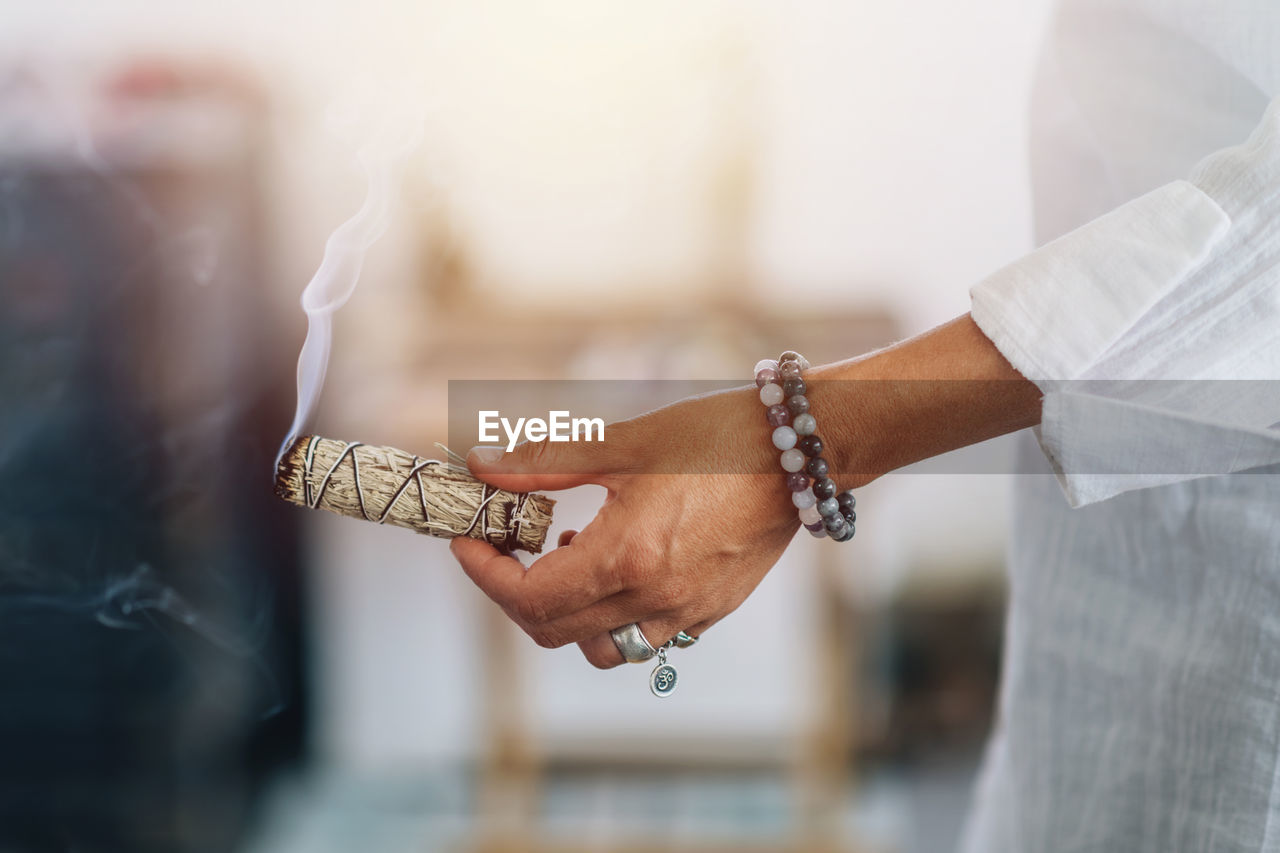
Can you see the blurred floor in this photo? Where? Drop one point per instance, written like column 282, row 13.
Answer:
column 914, row 808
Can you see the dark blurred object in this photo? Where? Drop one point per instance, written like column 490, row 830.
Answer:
column 939, row 667
column 150, row 612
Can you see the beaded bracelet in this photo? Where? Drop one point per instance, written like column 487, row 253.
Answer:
column 823, row 512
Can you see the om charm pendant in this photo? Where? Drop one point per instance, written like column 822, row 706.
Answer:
column 662, row 681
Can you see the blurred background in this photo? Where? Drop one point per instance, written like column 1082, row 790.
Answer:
column 603, row 190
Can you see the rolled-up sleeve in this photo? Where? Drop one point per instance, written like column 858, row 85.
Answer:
column 1140, row 326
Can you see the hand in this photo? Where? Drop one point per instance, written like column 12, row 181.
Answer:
column 696, row 514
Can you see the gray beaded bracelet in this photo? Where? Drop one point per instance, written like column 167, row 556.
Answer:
column 823, row 511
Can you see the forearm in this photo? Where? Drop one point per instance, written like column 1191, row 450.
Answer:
column 945, row 389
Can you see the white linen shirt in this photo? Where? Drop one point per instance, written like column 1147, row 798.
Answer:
column 1140, row 696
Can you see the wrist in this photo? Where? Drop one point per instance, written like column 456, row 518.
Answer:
column 943, row 390
column 847, row 404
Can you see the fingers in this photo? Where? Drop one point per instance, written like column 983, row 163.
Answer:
column 649, row 606
column 602, row 653
column 551, row 613
column 562, row 582
column 534, row 465
column 497, row 574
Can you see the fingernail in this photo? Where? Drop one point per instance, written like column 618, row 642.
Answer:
column 486, row 454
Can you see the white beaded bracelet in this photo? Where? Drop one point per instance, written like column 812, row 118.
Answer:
column 823, row 511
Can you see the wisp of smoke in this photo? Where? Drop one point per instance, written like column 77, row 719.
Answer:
column 395, row 138
column 140, row 601
column 132, row 601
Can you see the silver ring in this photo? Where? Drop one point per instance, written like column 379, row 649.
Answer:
column 684, row 640
column 632, row 644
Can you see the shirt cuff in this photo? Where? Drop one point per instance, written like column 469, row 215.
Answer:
column 1054, row 313
column 1100, row 446
column 1181, row 284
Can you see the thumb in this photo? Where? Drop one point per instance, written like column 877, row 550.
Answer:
column 550, row 465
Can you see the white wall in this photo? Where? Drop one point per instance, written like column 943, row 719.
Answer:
column 895, row 163
column 575, row 144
